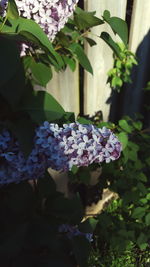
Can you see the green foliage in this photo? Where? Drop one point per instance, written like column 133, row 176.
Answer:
column 41, row 73
column 123, row 138
column 121, row 71
column 147, row 88
column 67, row 47
column 127, row 220
column 41, row 106
column 12, row 11
column 81, row 56
column 85, row 19
column 129, row 258
column 24, row 130
column 81, row 249
column 120, row 28
column 118, row 25
column 7, row 54
column 113, row 45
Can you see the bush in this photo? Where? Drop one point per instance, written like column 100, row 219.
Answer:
column 39, row 226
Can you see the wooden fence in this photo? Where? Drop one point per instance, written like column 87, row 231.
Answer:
column 65, row 85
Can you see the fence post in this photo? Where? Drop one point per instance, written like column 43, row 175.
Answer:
column 139, row 43
column 96, row 91
column 64, row 86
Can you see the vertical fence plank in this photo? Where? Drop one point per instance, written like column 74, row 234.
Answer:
column 140, row 44
column 96, row 91
column 64, row 86
column 140, row 23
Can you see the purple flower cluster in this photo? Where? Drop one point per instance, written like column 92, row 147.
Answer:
column 57, row 147
column 72, row 231
column 13, row 165
column 76, row 144
column 51, row 15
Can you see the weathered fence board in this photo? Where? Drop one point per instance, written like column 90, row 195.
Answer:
column 139, row 43
column 140, row 24
column 96, row 91
column 64, row 86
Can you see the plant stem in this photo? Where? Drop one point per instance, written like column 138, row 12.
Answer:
column 3, row 23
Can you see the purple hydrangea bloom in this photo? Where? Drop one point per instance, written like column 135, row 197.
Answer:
column 57, row 147
column 72, row 231
column 51, row 15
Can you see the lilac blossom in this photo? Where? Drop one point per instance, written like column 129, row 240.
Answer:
column 77, row 144
column 51, row 15
column 72, row 231
column 59, row 148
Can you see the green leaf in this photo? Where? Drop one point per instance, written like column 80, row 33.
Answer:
column 83, row 60
column 106, row 15
column 148, row 196
column 41, row 73
column 90, row 41
column 12, row 11
column 116, row 82
column 20, row 199
column 81, row 250
column 70, row 210
column 142, row 188
column 138, row 213
column 148, row 161
column 147, row 219
column 30, row 31
column 70, row 62
column 109, row 125
column 74, row 169
column 46, row 186
column 41, row 106
column 63, row 39
column 138, row 166
column 108, row 40
column 12, row 79
column 137, row 125
column 142, row 239
column 10, row 60
column 69, row 117
column 143, row 201
column 26, row 60
column 143, row 246
column 24, row 130
column 132, row 155
column 84, row 176
column 118, row 25
column 126, row 154
column 133, row 146
column 84, row 121
column 125, row 126
column 93, row 222
column 123, row 138
column 85, row 19
column 142, row 177
column 13, row 90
